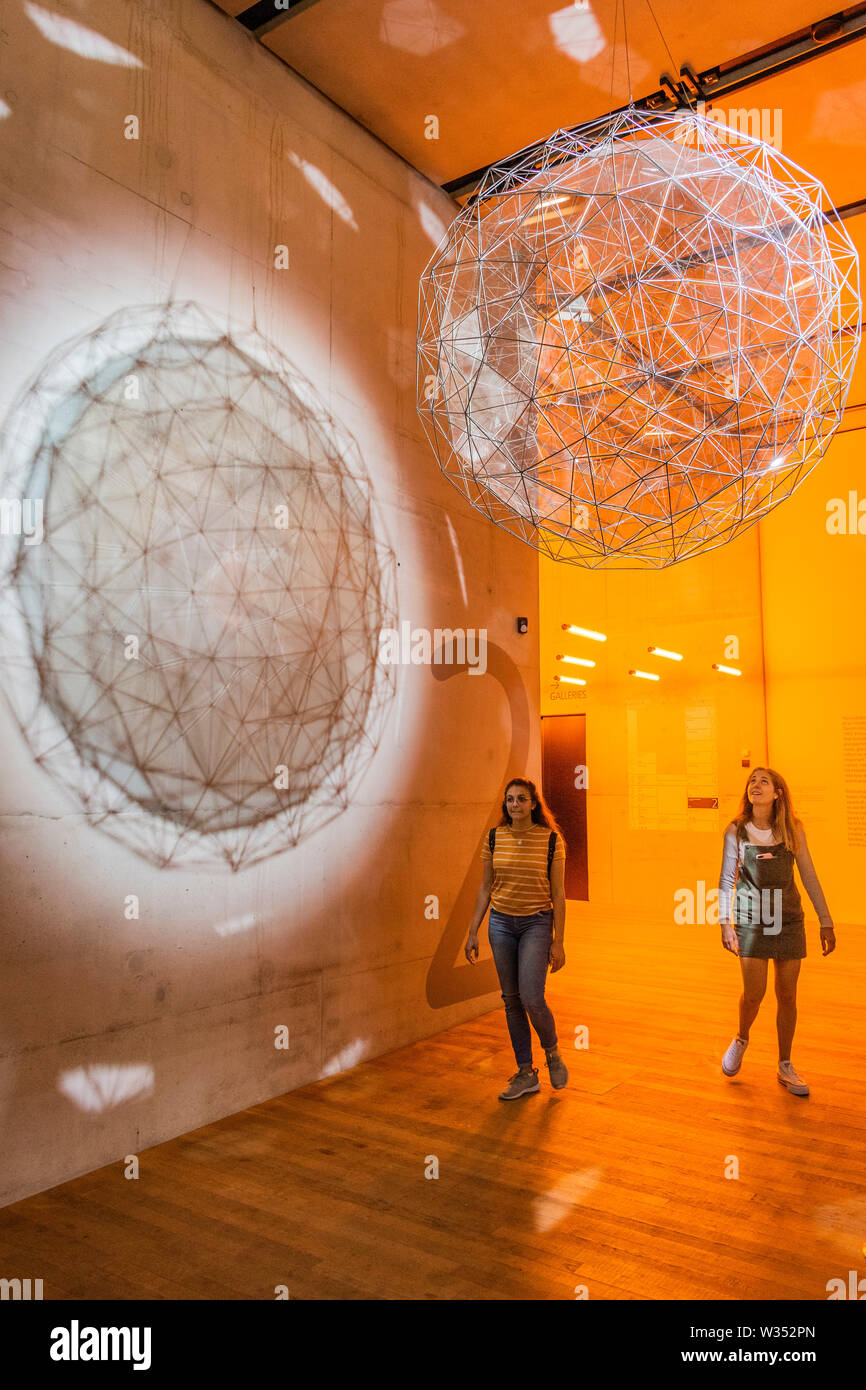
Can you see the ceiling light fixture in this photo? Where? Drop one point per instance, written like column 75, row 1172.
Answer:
column 584, row 632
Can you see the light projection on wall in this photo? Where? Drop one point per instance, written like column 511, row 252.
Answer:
column 418, row 26
column 577, row 32
column 102, row 1086
column 77, row 38
column 638, row 340
column 193, row 646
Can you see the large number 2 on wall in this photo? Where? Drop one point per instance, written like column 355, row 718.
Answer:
column 448, row 983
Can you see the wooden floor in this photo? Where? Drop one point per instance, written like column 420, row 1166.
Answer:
column 616, row 1183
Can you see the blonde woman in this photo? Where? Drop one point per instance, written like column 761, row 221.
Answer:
column 524, row 868
column 762, row 916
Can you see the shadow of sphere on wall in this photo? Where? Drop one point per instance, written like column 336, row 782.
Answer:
column 192, row 647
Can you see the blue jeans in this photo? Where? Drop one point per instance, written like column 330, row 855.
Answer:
column 520, row 947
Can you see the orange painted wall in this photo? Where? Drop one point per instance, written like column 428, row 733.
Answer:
column 814, row 588
column 651, row 745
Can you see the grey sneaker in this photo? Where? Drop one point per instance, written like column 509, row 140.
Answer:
column 733, row 1057
column 558, row 1071
column 522, row 1083
column 786, row 1076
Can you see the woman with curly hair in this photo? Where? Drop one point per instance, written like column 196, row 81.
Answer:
column 762, row 916
column 523, row 880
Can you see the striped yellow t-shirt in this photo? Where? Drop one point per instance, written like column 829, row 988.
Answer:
column 520, row 882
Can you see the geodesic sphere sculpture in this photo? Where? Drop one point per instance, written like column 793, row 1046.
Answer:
column 637, row 341
column 192, row 646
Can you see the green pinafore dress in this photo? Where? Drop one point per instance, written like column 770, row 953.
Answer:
column 768, row 912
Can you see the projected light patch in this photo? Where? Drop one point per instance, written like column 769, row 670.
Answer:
column 193, row 647
column 638, row 340
column 552, row 1207
column 77, row 38
column 417, row 26
column 102, row 1086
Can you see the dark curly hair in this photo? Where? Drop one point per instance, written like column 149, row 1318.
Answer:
column 541, row 814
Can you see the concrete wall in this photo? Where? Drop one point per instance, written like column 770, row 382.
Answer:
column 117, row 1033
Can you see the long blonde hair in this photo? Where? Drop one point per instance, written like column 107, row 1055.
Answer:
column 785, row 824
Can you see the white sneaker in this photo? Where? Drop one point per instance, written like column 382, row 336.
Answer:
column 789, row 1078
column 733, row 1058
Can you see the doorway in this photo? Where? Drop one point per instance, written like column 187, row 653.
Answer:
column 564, row 779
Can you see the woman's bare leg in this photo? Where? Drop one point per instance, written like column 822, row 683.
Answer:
column 787, row 973
column 754, row 989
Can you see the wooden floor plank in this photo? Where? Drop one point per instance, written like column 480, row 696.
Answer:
column 617, row 1183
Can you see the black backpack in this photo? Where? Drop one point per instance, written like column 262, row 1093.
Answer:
column 551, row 846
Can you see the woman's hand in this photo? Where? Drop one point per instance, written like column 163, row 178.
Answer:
column 471, row 946
column 729, row 938
column 556, row 955
column 828, row 940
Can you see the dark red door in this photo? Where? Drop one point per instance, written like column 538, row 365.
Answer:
column 564, row 782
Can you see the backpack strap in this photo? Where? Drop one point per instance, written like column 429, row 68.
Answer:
column 491, row 839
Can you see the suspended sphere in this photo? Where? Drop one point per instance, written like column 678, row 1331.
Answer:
column 637, row 341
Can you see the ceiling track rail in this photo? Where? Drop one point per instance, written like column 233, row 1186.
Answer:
column 836, row 31
column 842, row 214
